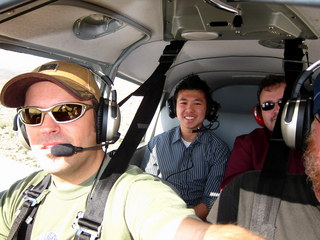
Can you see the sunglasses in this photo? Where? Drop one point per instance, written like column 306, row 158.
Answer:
column 60, row 113
column 267, row 106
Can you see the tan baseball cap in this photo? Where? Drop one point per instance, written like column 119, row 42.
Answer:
column 75, row 79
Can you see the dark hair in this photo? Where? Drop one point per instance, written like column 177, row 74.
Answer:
column 193, row 82
column 269, row 81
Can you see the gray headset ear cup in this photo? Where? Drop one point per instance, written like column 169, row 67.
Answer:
column 20, row 130
column 108, row 120
column 296, row 119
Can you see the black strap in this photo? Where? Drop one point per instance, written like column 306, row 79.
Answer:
column 152, row 91
column 33, row 196
column 88, row 224
column 272, row 179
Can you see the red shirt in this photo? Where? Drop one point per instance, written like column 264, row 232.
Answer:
column 250, row 151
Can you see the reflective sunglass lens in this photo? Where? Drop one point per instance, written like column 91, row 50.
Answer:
column 67, row 112
column 267, row 106
column 30, row 116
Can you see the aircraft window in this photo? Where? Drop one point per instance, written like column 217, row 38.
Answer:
column 128, row 109
column 16, row 161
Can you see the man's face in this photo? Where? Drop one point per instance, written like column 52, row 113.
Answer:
column 191, row 109
column 312, row 156
column 271, row 94
column 80, row 132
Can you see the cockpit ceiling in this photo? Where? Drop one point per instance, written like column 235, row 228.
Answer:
column 200, row 19
column 51, row 29
column 140, row 30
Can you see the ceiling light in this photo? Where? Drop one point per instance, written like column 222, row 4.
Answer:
column 199, row 35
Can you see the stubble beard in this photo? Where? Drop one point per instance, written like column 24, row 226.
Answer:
column 312, row 161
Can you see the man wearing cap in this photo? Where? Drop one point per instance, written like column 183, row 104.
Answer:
column 57, row 104
column 297, row 215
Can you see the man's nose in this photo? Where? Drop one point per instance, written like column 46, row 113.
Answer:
column 49, row 125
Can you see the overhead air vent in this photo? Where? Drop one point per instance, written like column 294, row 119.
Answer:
column 95, row 26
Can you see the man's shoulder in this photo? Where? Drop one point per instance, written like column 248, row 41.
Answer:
column 13, row 195
column 32, row 179
column 135, row 178
column 171, row 134
column 212, row 139
column 135, row 174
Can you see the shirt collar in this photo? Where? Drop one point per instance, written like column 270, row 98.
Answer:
column 200, row 138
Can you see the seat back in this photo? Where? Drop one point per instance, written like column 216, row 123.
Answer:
column 233, row 125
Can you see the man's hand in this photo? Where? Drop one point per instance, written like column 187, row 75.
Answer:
column 194, row 229
column 201, row 211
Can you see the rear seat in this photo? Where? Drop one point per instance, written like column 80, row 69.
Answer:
column 231, row 125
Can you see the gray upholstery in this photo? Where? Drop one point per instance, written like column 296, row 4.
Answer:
column 233, row 125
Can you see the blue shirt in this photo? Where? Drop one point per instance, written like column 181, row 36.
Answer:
column 195, row 171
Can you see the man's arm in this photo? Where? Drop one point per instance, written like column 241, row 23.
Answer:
column 194, row 229
column 218, row 160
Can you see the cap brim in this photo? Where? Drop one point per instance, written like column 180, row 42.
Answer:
column 14, row 91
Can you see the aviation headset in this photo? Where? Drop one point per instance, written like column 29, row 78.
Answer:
column 297, row 114
column 107, row 118
column 193, row 82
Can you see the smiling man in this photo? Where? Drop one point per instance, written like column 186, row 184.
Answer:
column 190, row 156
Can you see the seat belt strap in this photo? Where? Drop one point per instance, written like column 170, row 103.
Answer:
column 88, row 223
column 152, row 90
column 32, row 196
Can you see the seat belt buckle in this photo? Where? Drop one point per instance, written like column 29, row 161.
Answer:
column 86, row 227
column 33, row 201
column 30, row 196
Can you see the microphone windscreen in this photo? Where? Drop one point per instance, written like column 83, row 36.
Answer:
column 63, row 150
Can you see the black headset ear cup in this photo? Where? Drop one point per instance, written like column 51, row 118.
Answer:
column 20, row 130
column 296, row 120
column 212, row 110
column 108, row 120
column 171, row 107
